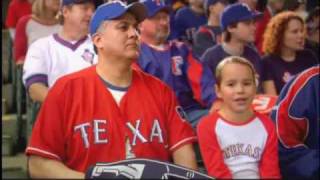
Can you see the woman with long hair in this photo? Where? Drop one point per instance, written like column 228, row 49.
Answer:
column 283, row 45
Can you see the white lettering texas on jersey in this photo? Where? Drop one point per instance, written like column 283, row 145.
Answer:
column 51, row 57
column 242, row 146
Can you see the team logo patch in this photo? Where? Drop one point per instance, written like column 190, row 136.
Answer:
column 263, row 103
column 177, row 62
column 182, row 114
column 286, row 77
column 88, row 56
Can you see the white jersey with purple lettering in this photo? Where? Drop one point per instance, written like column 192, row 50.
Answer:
column 51, row 57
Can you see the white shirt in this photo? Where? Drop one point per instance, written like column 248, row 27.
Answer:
column 51, row 57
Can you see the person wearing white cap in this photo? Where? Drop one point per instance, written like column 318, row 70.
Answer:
column 111, row 111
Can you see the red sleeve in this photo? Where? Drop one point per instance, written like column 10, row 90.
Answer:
column 180, row 130
column 21, row 39
column 194, row 75
column 11, row 19
column 261, row 26
column 269, row 164
column 48, row 137
column 211, row 152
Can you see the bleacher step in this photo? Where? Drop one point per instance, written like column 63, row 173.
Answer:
column 9, row 132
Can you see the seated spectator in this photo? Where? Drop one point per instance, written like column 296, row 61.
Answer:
column 313, row 38
column 187, row 20
column 298, row 125
column 285, row 54
column 210, row 34
column 238, row 26
column 236, row 142
column 64, row 52
column 273, row 7
column 109, row 112
column 16, row 9
column 41, row 23
column 173, row 63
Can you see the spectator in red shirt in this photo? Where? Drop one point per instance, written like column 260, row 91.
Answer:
column 17, row 9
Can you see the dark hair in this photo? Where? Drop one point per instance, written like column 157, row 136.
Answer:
column 226, row 35
column 95, row 49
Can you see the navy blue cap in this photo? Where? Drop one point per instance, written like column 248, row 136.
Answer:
column 154, row 6
column 115, row 9
column 236, row 13
column 68, row 2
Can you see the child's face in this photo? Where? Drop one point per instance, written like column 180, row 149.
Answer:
column 237, row 88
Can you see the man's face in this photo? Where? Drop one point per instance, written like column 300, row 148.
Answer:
column 157, row 27
column 119, row 38
column 244, row 31
column 79, row 15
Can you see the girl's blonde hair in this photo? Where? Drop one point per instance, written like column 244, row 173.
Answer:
column 39, row 8
column 234, row 60
column 274, row 33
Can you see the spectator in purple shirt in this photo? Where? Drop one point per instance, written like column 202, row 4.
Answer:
column 285, row 57
column 238, row 26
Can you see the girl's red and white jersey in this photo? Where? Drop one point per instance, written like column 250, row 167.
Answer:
column 81, row 124
column 239, row 150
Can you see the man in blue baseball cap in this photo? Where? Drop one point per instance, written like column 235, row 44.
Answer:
column 174, row 63
column 238, row 34
column 111, row 111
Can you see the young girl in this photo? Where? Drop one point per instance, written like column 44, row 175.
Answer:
column 235, row 141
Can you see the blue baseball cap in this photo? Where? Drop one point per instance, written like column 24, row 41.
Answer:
column 68, row 2
column 154, row 6
column 236, row 13
column 115, row 9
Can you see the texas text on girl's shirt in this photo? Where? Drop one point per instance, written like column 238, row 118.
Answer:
column 239, row 150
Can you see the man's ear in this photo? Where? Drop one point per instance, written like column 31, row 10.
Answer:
column 64, row 11
column 96, row 40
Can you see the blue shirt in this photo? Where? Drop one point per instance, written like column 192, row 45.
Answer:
column 216, row 54
column 186, row 23
column 297, row 119
column 175, row 65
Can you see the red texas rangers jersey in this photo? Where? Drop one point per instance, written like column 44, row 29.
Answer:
column 80, row 123
column 233, row 150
